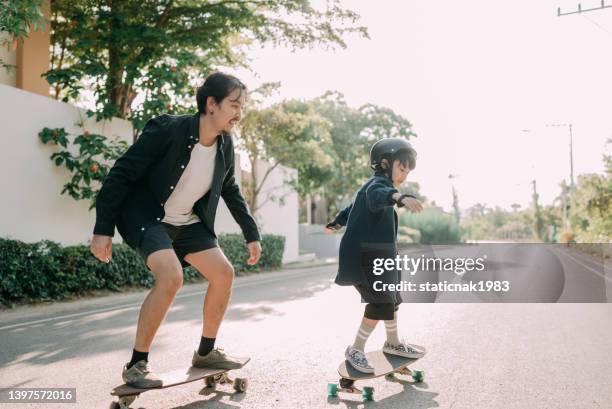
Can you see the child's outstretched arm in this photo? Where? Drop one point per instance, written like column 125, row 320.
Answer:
column 340, row 220
column 378, row 196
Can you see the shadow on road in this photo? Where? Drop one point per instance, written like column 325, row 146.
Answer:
column 409, row 397
column 102, row 332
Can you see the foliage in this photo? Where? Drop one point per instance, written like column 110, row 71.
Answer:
column 16, row 19
column 142, row 59
column 291, row 134
column 353, row 131
column 91, row 164
column 47, row 271
column 592, row 205
column 435, row 226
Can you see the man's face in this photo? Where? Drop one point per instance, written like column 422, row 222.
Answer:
column 229, row 111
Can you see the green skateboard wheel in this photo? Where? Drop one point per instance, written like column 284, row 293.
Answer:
column 332, row 390
column 367, row 393
column 418, row 376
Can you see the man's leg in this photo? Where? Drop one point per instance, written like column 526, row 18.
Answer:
column 168, row 273
column 219, row 272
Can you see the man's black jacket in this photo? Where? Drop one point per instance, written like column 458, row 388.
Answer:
column 133, row 194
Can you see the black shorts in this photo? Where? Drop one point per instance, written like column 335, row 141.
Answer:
column 384, row 308
column 183, row 239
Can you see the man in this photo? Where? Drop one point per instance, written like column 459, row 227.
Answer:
column 162, row 196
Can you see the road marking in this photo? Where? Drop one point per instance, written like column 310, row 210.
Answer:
column 585, row 266
column 242, row 284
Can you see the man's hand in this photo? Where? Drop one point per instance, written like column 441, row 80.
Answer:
column 254, row 252
column 411, row 203
column 102, row 247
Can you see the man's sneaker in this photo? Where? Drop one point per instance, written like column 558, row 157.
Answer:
column 215, row 359
column 358, row 360
column 140, row 376
column 403, row 349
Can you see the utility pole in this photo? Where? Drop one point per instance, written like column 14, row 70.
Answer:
column 581, row 10
column 537, row 217
column 455, row 200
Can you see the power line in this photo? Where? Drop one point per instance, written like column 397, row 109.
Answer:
column 598, row 25
column 581, row 10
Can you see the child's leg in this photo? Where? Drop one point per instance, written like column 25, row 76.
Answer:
column 365, row 330
column 391, row 327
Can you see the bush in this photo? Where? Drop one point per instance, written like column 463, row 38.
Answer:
column 435, row 226
column 47, row 271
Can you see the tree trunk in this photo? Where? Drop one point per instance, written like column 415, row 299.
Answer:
column 115, row 70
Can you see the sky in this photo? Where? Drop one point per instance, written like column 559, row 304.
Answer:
column 481, row 81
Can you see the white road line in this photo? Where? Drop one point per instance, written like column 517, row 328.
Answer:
column 585, row 266
column 200, row 291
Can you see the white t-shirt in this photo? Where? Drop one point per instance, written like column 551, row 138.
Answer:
column 194, row 183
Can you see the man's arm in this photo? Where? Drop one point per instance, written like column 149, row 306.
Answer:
column 230, row 192
column 130, row 167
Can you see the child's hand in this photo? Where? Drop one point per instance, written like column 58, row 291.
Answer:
column 332, row 228
column 411, row 203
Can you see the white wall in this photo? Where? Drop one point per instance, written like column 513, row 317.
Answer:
column 32, row 208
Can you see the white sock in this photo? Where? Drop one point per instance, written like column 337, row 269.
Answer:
column 362, row 336
column 391, row 327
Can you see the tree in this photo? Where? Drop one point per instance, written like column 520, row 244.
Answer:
column 592, row 200
column 353, row 131
column 142, row 58
column 17, row 17
column 289, row 133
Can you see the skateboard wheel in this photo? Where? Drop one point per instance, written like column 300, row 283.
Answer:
column 332, row 390
column 210, row 382
column 125, row 402
column 346, row 383
column 418, row 376
column 367, row 393
column 240, row 384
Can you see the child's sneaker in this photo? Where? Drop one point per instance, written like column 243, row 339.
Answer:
column 358, row 360
column 402, row 349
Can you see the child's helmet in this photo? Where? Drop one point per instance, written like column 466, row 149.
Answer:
column 389, row 148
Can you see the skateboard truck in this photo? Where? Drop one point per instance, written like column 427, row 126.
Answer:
column 239, row 384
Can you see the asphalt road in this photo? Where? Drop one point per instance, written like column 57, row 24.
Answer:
column 296, row 324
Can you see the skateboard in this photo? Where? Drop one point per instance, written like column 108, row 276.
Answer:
column 384, row 365
column 128, row 394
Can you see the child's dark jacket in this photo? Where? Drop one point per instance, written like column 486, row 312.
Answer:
column 371, row 228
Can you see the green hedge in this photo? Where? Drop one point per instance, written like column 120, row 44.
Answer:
column 435, row 226
column 47, row 271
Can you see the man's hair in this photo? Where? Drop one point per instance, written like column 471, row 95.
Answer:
column 217, row 85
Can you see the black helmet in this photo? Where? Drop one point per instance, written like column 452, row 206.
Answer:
column 389, row 148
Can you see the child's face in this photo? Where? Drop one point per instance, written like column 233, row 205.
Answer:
column 400, row 172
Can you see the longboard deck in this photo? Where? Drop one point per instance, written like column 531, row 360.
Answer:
column 174, row 378
column 383, row 364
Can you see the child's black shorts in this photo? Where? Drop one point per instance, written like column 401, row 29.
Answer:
column 183, row 239
column 383, row 310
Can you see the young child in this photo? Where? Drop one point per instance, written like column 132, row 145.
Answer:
column 371, row 232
